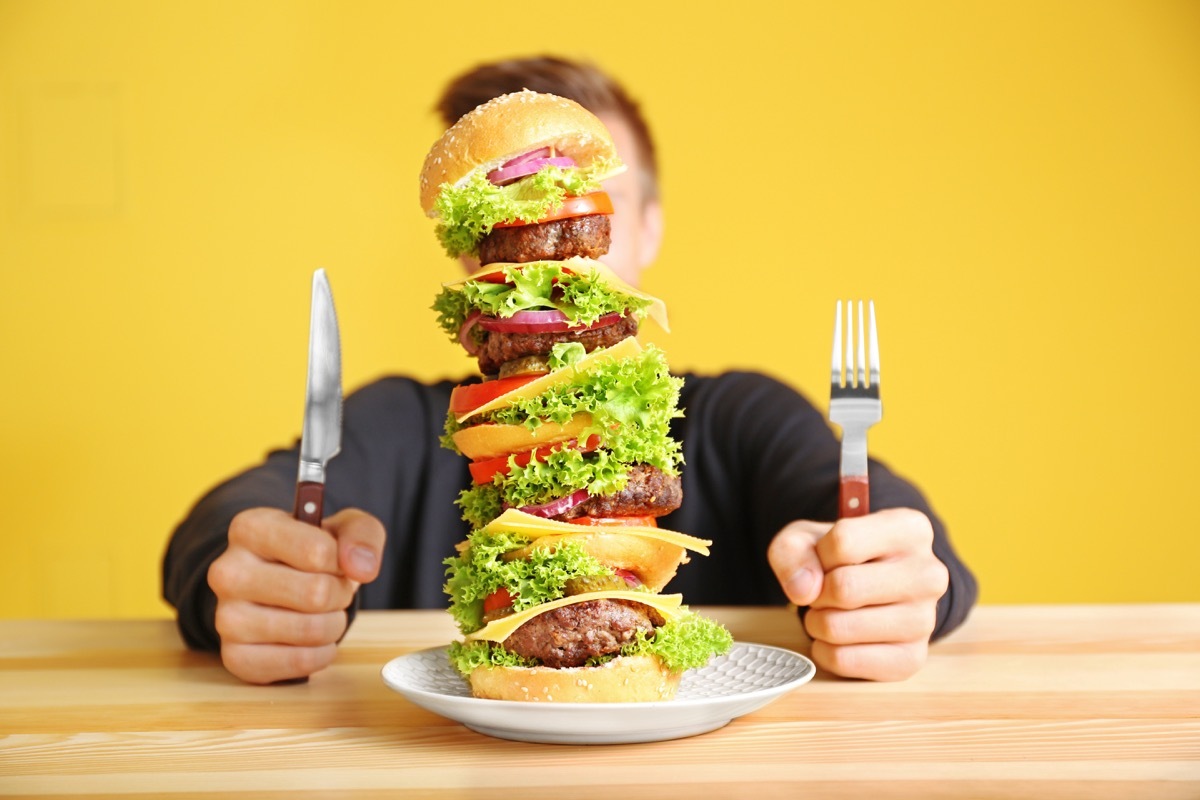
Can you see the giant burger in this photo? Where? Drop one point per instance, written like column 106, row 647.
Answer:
column 557, row 589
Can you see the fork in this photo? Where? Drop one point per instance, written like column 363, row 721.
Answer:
column 854, row 404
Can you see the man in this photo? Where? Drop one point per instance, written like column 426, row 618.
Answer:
column 276, row 595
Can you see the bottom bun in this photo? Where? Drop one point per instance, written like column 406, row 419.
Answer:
column 627, row 679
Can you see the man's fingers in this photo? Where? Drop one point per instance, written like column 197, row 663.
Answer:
column 246, row 623
column 882, row 582
column 270, row 663
column 792, row 555
column 884, row 534
column 273, row 535
column 875, row 662
column 900, row 622
column 360, row 540
column 239, row 575
column 282, row 588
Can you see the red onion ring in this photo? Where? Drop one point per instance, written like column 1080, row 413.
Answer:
column 464, row 333
column 542, row 321
column 556, row 507
column 630, row 579
column 506, row 175
column 543, row 152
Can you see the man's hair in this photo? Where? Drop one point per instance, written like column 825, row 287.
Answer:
column 581, row 82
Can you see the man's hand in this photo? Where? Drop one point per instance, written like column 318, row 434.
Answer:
column 871, row 584
column 283, row 587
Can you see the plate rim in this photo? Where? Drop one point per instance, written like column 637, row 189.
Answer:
column 551, row 708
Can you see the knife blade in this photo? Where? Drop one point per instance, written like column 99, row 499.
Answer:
column 322, row 436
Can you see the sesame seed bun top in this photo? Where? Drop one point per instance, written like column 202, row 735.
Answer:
column 508, row 126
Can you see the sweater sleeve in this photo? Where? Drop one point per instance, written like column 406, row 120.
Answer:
column 390, row 466
column 761, row 455
column 203, row 535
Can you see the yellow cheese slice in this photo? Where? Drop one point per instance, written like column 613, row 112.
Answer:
column 514, row 521
column 668, row 605
column 597, row 270
column 626, row 348
column 490, row 441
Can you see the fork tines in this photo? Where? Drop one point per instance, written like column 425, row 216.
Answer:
column 858, row 376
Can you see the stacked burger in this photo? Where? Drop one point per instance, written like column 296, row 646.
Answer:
column 557, row 588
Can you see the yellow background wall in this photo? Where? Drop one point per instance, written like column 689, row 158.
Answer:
column 1016, row 184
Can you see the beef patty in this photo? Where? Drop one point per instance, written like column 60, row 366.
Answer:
column 560, row 239
column 570, row 635
column 498, row 348
column 649, row 492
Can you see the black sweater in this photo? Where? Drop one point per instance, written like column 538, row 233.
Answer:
column 757, row 456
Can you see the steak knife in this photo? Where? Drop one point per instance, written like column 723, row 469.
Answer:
column 322, row 436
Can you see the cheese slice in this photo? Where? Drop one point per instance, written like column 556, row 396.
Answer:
column 514, row 521
column 597, row 270
column 669, row 605
column 626, row 348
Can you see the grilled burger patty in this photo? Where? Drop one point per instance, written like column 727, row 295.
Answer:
column 498, row 348
column 548, row 241
column 570, row 635
column 649, row 492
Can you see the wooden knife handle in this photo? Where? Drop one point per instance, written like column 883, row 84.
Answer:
column 854, row 499
column 310, row 502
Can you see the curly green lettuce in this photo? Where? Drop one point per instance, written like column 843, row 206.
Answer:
column 684, row 643
column 468, row 212
column 632, row 402
column 479, row 570
column 571, row 287
column 466, row 657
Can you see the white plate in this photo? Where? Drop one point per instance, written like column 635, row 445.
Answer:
column 745, row 679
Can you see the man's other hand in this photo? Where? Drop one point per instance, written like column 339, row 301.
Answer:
column 283, row 587
column 871, row 584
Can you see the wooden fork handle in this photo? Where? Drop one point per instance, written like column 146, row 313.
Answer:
column 854, row 499
column 310, row 502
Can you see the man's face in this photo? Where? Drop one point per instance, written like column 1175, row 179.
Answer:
column 636, row 222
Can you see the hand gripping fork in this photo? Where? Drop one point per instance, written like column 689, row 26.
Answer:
column 854, row 404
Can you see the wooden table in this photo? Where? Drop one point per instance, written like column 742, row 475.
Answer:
column 1023, row 701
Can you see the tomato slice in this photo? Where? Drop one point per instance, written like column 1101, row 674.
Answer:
column 580, row 206
column 645, row 521
column 485, row 471
column 470, row 396
column 497, row 600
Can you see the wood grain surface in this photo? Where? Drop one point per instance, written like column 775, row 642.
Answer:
column 1023, row 701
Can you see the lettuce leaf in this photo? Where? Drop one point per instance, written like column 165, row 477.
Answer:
column 480, row 505
column 468, row 212
column 571, row 288
column 466, row 657
column 687, row 642
column 684, row 643
column 565, row 354
column 479, row 570
column 632, row 403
